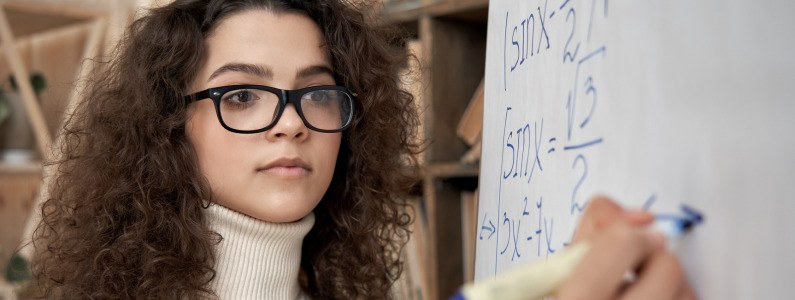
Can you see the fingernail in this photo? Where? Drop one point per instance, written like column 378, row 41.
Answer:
column 656, row 239
column 636, row 212
column 637, row 216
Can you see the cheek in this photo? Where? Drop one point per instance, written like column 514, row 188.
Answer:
column 210, row 141
column 326, row 150
column 198, row 130
column 331, row 147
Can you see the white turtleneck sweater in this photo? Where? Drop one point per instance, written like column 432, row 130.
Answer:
column 257, row 259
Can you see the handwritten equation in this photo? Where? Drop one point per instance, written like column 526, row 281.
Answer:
column 545, row 36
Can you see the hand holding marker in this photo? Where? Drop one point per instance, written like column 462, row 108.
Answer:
column 544, row 277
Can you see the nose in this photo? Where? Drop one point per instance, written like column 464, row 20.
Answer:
column 289, row 126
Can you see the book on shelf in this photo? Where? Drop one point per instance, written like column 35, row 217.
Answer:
column 416, row 252
column 470, row 125
column 473, row 155
column 469, row 220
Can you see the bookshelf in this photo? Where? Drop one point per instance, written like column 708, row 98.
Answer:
column 54, row 38
column 48, row 38
column 452, row 34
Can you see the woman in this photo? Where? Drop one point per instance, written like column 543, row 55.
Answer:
column 238, row 149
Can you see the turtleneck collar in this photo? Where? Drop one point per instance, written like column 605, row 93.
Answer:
column 257, row 259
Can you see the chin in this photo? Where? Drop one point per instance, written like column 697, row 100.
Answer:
column 281, row 214
column 285, row 218
column 275, row 207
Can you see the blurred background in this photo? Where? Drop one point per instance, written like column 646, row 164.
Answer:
column 45, row 44
column 50, row 44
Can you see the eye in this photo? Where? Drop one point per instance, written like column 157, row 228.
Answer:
column 318, row 96
column 240, row 97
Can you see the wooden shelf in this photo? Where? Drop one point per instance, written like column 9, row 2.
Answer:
column 405, row 11
column 451, row 35
column 34, row 167
column 25, row 23
column 452, row 170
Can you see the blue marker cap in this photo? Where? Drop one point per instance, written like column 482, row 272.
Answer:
column 457, row 296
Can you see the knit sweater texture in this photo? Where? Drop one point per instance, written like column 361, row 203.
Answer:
column 257, row 259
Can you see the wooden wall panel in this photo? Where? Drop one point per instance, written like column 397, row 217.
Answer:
column 16, row 131
column 56, row 54
column 17, row 195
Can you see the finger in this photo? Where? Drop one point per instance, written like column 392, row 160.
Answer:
column 600, row 212
column 620, row 248
column 661, row 277
column 637, row 217
column 687, row 293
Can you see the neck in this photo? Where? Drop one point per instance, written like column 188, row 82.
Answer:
column 256, row 259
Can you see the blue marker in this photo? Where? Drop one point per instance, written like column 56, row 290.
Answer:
column 542, row 278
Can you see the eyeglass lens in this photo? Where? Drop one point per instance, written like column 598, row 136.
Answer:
column 253, row 109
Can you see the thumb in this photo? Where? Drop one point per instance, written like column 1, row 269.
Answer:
column 602, row 212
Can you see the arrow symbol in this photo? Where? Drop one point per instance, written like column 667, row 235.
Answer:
column 491, row 229
column 675, row 225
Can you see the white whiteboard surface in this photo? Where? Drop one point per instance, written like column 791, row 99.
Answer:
column 685, row 102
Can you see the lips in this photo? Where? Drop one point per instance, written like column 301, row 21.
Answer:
column 287, row 168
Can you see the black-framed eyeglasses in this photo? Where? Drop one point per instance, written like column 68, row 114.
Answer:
column 257, row 108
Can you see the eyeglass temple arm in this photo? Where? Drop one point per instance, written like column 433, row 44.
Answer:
column 198, row 96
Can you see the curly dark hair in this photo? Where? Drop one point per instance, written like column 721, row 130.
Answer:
column 124, row 216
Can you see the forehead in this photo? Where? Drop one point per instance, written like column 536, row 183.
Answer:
column 285, row 42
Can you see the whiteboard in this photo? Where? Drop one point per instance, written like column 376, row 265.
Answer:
column 653, row 103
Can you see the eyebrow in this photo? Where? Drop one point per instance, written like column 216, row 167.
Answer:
column 266, row 71
column 252, row 69
column 314, row 70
